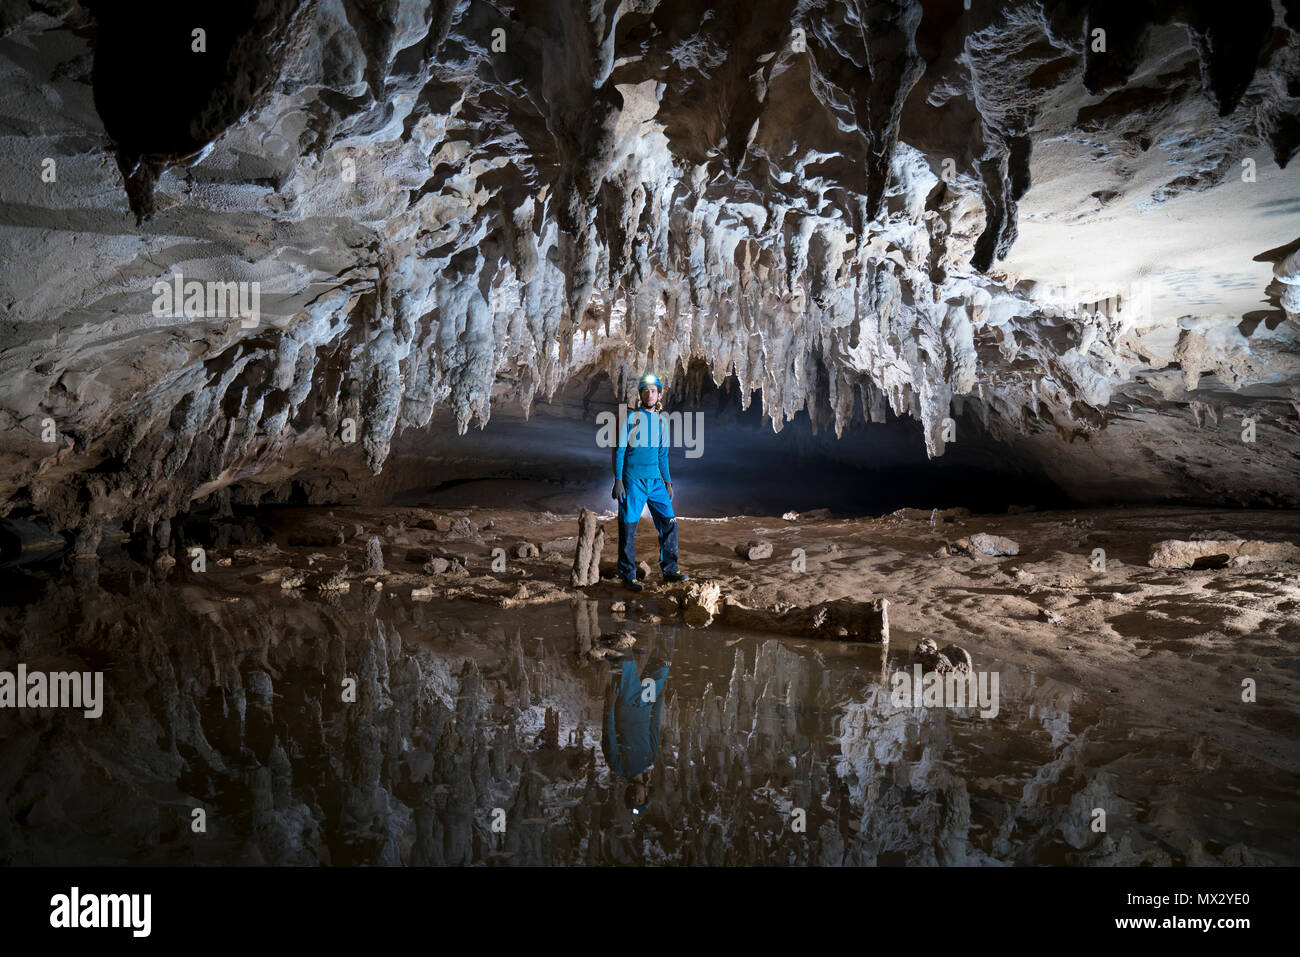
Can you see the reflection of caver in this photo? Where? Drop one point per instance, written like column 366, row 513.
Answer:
column 641, row 478
column 633, row 711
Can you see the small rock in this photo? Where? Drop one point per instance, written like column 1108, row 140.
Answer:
column 526, row 550
column 951, row 658
column 618, row 607
column 643, row 570
column 422, row 594
column 959, row 657
column 754, row 550
column 435, row 566
column 993, row 545
column 461, row 528
column 791, row 516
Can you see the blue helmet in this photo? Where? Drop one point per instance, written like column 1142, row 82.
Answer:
column 650, row 379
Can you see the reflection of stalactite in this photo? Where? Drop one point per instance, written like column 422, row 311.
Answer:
column 238, row 709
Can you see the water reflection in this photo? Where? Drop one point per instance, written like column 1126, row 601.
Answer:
column 368, row 729
column 633, row 714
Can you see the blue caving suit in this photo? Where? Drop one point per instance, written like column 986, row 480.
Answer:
column 642, row 460
column 631, row 741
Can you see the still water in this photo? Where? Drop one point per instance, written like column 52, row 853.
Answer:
column 249, row 726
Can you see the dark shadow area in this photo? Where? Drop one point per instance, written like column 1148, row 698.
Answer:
column 733, row 463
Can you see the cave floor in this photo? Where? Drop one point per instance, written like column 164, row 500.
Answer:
column 1120, row 690
column 1172, row 645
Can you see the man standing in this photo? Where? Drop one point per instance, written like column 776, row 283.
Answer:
column 641, row 478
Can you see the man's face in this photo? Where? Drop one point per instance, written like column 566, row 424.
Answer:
column 649, row 395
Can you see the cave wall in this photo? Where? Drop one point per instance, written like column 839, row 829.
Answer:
column 453, row 207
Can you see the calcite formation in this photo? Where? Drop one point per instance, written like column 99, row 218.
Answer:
column 1073, row 228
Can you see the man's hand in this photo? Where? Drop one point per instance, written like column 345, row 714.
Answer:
column 670, row 491
column 618, row 492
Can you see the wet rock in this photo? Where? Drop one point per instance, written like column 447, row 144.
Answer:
column 701, row 603
column 590, row 543
column 843, row 619
column 293, row 578
column 620, row 640
column 336, row 582
column 423, row 593
column 952, row 658
column 754, row 550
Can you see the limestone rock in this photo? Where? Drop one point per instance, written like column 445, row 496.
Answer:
column 374, row 558
column 701, row 603
column 591, row 542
